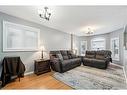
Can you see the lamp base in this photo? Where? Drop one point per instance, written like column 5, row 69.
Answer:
column 42, row 55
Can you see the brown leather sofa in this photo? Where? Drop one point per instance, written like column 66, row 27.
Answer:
column 99, row 59
column 64, row 60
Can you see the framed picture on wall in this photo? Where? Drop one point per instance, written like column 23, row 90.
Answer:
column 18, row 37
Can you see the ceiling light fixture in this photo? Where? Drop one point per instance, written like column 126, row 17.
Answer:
column 90, row 31
column 44, row 13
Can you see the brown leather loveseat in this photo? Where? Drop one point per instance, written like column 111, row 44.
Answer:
column 99, row 59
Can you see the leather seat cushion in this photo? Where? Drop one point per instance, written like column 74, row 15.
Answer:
column 71, row 61
column 100, row 57
column 97, row 61
column 90, row 56
column 76, row 60
column 87, row 60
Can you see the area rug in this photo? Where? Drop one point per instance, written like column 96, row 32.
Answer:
column 85, row 77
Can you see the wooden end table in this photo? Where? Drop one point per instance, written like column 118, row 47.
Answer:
column 41, row 66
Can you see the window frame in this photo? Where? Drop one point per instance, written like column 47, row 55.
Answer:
column 23, row 28
column 98, row 39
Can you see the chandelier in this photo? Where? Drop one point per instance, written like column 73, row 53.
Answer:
column 90, row 31
column 44, row 13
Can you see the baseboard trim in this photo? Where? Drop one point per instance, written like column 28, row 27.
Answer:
column 125, row 74
column 117, row 65
column 28, row 73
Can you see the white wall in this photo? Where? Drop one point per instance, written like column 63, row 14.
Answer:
column 52, row 39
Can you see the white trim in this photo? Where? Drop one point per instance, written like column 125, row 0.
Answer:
column 98, row 39
column 29, row 73
column 21, row 27
column 84, row 41
column 117, row 65
column 115, row 38
column 125, row 75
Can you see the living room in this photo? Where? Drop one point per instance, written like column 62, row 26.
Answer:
column 90, row 45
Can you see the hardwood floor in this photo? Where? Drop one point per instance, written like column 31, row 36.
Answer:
column 43, row 81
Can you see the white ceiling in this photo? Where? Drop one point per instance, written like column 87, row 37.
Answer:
column 75, row 19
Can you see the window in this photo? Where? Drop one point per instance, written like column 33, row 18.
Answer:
column 115, row 48
column 98, row 44
column 18, row 37
column 83, row 47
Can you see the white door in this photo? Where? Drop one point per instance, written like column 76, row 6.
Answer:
column 83, row 47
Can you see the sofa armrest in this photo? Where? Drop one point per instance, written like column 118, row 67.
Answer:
column 56, row 64
column 54, row 60
column 107, row 60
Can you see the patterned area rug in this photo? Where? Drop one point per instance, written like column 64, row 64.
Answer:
column 85, row 77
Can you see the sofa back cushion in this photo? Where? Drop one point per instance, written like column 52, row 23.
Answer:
column 59, row 56
column 69, row 52
column 100, row 57
column 100, row 54
column 103, row 54
column 90, row 54
column 64, row 54
column 53, row 54
column 107, row 53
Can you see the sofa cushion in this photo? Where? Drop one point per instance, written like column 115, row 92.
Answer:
column 65, row 62
column 90, row 54
column 69, row 52
column 71, row 55
column 87, row 60
column 97, row 61
column 65, row 57
column 53, row 53
column 71, row 61
column 74, row 56
column 107, row 53
column 76, row 60
column 59, row 56
column 101, row 57
column 64, row 54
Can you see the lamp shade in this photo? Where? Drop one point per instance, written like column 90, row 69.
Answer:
column 42, row 48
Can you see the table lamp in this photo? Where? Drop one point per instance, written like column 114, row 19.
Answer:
column 42, row 48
